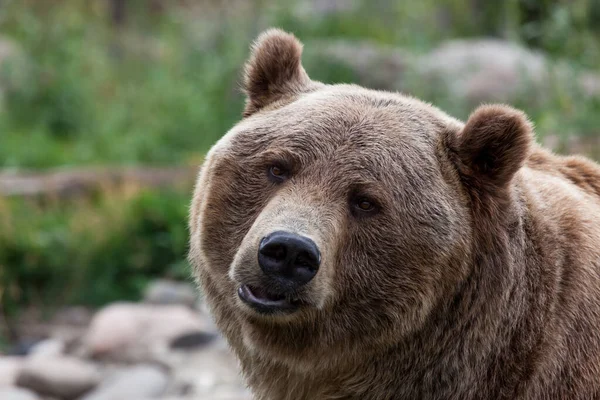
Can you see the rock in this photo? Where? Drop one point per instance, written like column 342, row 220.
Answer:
column 23, row 346
column 58, row 334
column 139, row 332
column 231, row 395
column 169, row 398
column 163, row 291
column 192, row 340
column 73, row 316
column 485, row 69
column 219, row 395
column 212, row 372
column 48, row 348
column 70, row 183
column 9, row 369
column 62, row 377
column 473, row 70
column 139, row 382
column 179, row 398
column 14, row 393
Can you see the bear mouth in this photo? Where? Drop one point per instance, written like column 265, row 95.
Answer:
column 265, row 302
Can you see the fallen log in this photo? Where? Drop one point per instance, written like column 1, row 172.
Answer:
column 81, row 181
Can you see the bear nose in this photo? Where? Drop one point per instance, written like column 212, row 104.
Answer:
column 290, row 258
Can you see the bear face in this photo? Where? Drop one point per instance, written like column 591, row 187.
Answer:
column 341, row 168
column 333, row 221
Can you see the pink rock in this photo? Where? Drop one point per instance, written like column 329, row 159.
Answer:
column 62, row 377
column 9, row 369
column 129, row 332
column 14, row 393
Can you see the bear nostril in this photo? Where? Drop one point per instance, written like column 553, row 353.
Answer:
column 274, row 251
column 306, row 260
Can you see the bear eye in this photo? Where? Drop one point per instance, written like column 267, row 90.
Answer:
column 277, row 173
column 364, row 205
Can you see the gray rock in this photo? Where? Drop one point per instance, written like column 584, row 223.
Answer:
column 14, row 393
column 176, row 398
column 62, row 377
column 212, row 373
column 473, row 71
column 139, row 382
column 73, row 316
column 139, row 332
column 229, row 394
column 486, row 69
column 48, row 348
column 9, row 370
column 193, row 340
column 164, row 291
column 23, row 346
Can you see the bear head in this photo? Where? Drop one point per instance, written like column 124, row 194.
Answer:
column 333, row 220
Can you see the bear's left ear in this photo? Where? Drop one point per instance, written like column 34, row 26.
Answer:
column 493, row 146
column 274, row 70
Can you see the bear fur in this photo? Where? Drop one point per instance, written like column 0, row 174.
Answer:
column 474, row 272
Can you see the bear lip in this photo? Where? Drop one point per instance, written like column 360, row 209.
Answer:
column 264, row 302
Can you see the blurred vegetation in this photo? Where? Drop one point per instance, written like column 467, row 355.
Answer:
column 156, row 82
column 90, row 250
column 161, row 83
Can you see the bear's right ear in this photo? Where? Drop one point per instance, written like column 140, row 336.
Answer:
column 274, row 70
column 492, row 147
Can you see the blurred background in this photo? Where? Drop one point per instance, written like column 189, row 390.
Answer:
column 107, row 108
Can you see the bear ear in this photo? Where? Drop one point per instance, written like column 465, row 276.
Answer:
column 493, row 146
column 274, row 70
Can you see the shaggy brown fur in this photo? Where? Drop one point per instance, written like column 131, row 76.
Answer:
column 475, row 276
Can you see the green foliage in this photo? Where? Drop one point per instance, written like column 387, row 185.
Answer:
column 163, row 86
column 85, row 92
column 90, row 251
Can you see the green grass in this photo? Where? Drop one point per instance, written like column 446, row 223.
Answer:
column 87, row 94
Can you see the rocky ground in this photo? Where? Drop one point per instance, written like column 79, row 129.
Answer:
column 165, row 347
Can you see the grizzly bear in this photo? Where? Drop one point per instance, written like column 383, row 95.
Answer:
column 360, row 244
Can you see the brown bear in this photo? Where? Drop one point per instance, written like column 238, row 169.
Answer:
column 359, row 244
